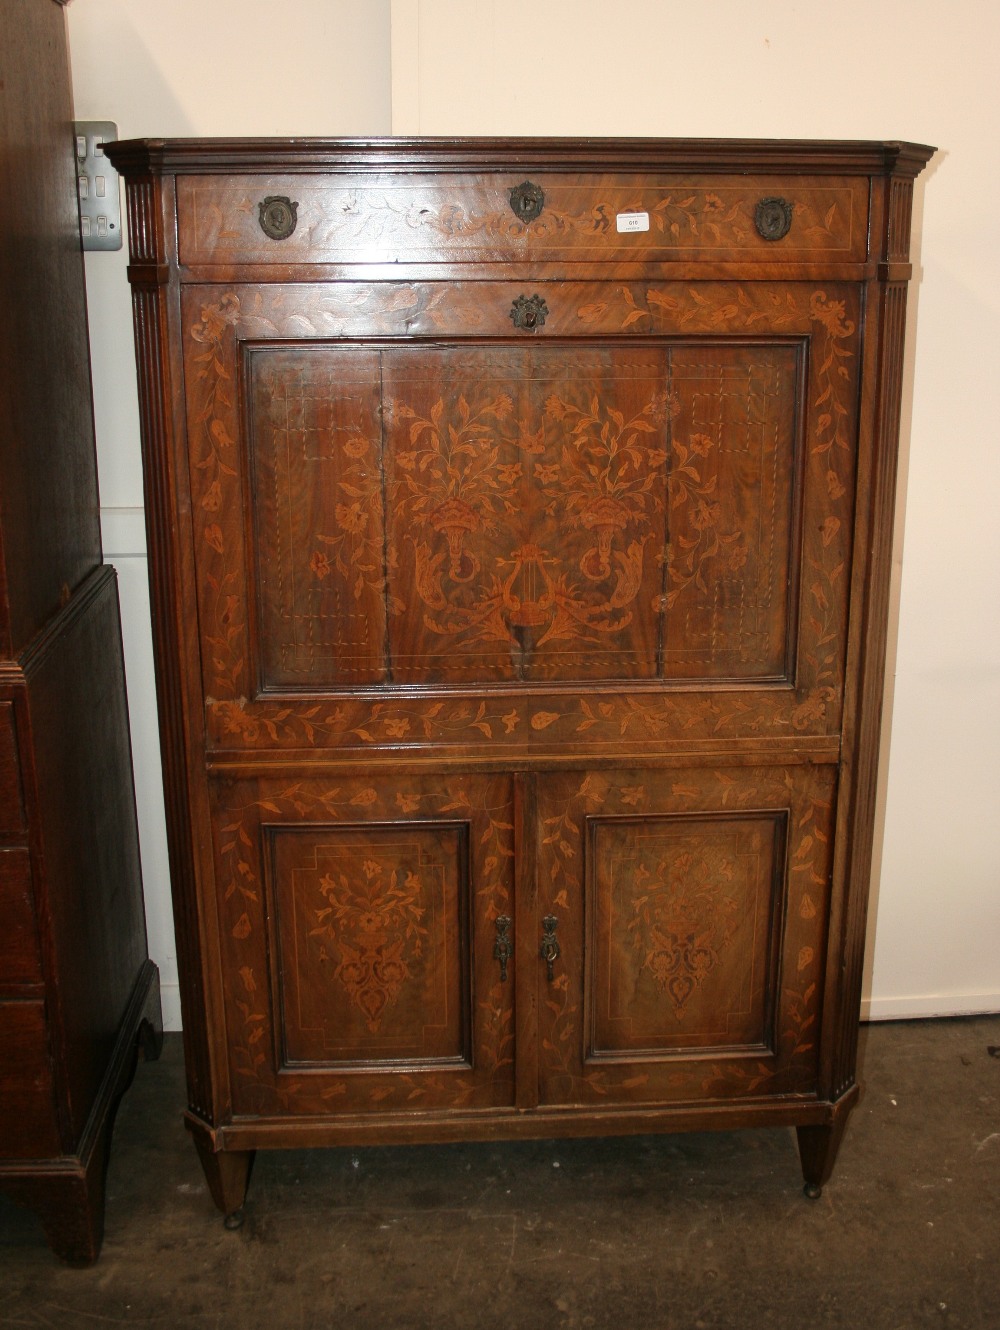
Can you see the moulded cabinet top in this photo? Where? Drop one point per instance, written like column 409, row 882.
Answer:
column 795, row 156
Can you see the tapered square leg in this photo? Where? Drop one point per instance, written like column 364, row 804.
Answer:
column 819, row 1147
column 227, row 1173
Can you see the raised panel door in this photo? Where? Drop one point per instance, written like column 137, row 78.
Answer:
column 690, row 907
column 358, row 924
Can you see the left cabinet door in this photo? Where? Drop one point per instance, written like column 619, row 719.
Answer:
column 357, row 923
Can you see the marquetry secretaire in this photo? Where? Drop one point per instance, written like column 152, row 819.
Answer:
column 520, row 517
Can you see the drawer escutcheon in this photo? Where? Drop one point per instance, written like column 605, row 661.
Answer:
column 277, row 216
column 773, row 218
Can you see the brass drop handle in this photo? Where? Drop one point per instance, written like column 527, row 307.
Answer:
column 550, row 948
column 503, row 948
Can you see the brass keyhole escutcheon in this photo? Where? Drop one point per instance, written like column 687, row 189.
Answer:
column 529, row 312
column 527, row 201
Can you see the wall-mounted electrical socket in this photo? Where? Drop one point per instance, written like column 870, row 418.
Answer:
column 97, row 185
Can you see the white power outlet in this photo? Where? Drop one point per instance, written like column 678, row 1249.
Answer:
column 97, row 185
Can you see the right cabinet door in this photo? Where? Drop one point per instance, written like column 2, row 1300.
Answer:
column 691, row 911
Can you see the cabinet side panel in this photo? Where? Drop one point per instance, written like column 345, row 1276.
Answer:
column 90, row 850
column 871, row 680
column 158, row 411
column 11, row 797
column 49, row 526
column 20, row 959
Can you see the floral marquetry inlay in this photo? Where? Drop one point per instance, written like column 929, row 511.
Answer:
column 349, row 218
column 685, row 913
column 527, row 515
column 372, row 923
column 371, row 927
column 682, row 922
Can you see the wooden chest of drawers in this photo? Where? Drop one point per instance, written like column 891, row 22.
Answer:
column 77, row 990
column 520, row 518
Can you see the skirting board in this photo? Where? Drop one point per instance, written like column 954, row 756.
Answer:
column 924, row 1008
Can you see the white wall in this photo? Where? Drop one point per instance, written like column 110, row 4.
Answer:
column 790, row 68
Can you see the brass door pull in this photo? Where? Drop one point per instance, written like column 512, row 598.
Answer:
column 550, row 946
column 503, row 948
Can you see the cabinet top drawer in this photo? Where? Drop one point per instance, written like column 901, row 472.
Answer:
column 378, row 201
column 516, row 215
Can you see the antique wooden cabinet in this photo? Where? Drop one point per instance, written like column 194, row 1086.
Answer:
column 76, row 987
column 520, row 517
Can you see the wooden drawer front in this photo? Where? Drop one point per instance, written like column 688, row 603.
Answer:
column 427, row 219
column 691, row 911
column 20, row 962
column 11, row 800
column 358, row 923
column 27, row 1122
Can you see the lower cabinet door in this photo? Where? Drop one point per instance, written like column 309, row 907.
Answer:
column 359, row 927
column 689, row 913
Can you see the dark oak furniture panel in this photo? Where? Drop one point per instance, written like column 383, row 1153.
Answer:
column 520, row 518
column 76, row 987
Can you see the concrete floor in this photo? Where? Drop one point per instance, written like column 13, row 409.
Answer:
column 704, row 1231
